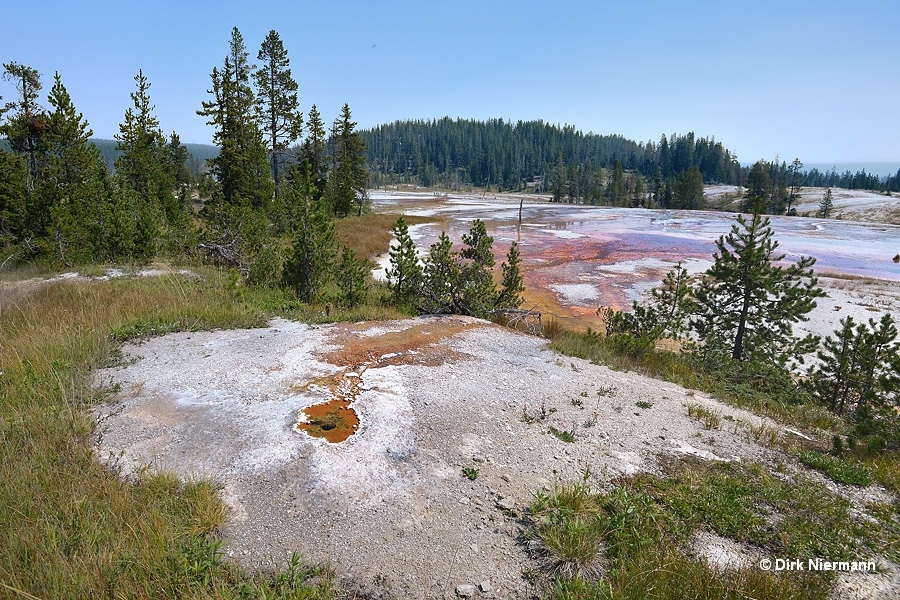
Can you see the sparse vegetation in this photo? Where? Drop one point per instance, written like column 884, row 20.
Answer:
column 711, row 419
column 627, row 542
column 470, row 473
column 565, row 436
column 838, row 469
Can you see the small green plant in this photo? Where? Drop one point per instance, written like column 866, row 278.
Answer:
column 566, row 436
column 605, row 391
column 711, row 419
column 470, row 473
column 836, row 468
column 577, row 403
column 643, row 404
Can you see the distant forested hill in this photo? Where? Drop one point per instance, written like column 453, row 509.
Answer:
column 198, row 154
column 513, row 155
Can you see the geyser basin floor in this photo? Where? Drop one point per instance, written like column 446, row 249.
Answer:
column 389, row 506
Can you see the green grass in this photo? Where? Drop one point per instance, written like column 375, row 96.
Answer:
column 628, row 543
column 711, row 419
column 470, row 473
column 838, row 469
column 560, row 434
column 72, row 528
column 570, row 527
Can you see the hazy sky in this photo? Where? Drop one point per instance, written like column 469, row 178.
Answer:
column 814, row 80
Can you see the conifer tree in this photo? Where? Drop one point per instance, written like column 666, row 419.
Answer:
column 72, row 181
column 477, row 290
column 511, row 285
column 795, row 175
column 747, row 304
column 241, row 168
column 349, row 178
column 405, row 274
column 441, row 278
column 277, row 97
column 314, row 147
column 688, row 191
column 826, row 205
column 615, row 191
column 759, row 189
column 859, row 367
column 28, row 120
column 353, row 278
column 310, row 263
column 665, row 315
column 146, row 163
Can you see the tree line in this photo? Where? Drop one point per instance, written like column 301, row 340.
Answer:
column 576, row 166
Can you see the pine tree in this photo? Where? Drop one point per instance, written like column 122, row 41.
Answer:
column 665, row 315
column 309, row 266
column 759, row 188
column 348, row 180
column 441, row 278
column 314, row 147
column 746, row 304
column 278, row 104
column 353, row 278
column 511, row 285
column 405, row 274
column 12, row 196
column 859, row 366
column 145, row 163
column 477, row 290
column 795, row 175
column 688, row 190
column 72, row 182
column 241, row 168
column 615, row 191
column 24, row 128
column 826, row 205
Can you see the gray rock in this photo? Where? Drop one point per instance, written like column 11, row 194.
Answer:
column 485, row 586
column 506, row 503
column 465, row 590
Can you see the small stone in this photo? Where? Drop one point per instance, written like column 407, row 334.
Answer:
column 474, row 548
column 505, row 478
column 506, row 503
column 478, row 458
column 485, row 586
column 465, row 590
column 463, row 500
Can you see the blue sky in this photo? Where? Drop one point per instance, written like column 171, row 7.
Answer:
column 814, row 80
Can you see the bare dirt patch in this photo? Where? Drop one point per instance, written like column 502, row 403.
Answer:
column 390, row 506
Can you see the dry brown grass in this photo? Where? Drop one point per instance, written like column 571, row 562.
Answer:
column 370, row 235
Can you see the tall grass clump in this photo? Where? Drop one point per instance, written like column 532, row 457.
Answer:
column 71, row 527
